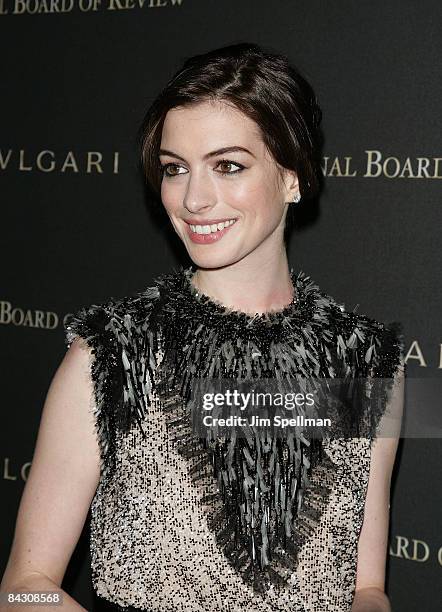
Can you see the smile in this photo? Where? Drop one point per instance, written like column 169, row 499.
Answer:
column 211, row 229
column 209, row 233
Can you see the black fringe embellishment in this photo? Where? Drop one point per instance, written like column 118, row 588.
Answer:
column 264, row 500
column 122, row 360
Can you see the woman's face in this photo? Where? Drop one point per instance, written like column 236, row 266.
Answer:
column 203, row 187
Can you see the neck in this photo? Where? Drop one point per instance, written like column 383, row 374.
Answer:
column 248, row 286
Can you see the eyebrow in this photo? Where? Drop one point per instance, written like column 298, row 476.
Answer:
column 211, row 154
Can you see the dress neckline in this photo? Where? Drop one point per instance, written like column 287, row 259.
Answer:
column 217, row 308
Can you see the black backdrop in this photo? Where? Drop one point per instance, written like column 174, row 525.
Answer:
column 78, row 227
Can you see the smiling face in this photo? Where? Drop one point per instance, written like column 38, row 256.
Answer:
column 225, row 205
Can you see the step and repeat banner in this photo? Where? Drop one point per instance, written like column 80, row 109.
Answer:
column 79, row 226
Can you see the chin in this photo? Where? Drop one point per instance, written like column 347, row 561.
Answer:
column 210, row 260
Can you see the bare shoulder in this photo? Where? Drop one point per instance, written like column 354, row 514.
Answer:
column 64, row 473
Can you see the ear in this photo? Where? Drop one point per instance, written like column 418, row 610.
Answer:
column 291, row 183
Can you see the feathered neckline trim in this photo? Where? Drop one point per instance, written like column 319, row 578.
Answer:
column 181, row 304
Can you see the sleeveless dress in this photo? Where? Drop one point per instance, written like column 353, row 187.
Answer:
column 267, row 524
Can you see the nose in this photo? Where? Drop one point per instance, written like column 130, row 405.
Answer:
column 200, row 194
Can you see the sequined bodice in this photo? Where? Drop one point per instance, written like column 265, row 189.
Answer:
column 178, row 526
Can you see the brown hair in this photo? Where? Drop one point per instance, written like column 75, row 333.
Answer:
column 265, row 87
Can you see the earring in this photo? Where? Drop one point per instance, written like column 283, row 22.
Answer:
column 297, row 198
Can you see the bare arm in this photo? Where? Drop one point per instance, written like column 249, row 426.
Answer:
column 373, row 540
column 62, row 481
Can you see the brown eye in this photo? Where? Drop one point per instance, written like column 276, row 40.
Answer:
column 170, row 169
column 226, row 162
column 224, row 165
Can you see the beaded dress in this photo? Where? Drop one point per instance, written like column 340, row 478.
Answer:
column 267, row 525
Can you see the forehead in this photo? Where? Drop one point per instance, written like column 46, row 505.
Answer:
column 209, row 123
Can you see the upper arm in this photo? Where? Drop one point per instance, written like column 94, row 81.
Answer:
column 373, row 539
column 63, row 476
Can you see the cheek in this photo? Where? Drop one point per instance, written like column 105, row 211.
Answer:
column 257, row 198
column 169, row 197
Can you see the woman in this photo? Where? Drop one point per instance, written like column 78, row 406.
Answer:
column 185, row 520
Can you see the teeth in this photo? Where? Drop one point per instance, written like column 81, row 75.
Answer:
column 209, row 229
